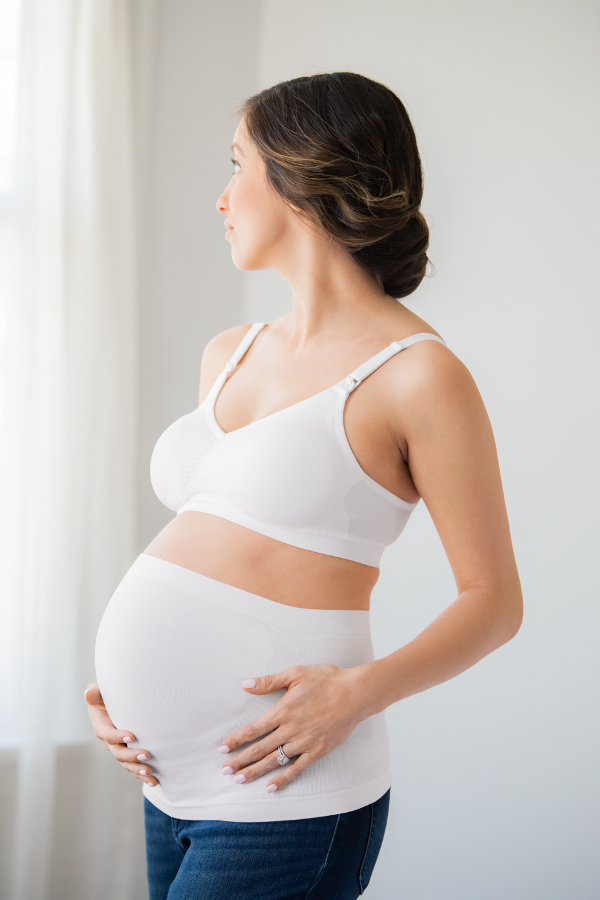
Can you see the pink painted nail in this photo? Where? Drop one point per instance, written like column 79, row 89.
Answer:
column 142, row 772
column 224, row 749
column 249, row 683
column 227, row 770
column 240, row 779
column 128, row 739
column 271, row 788
column 142, row 757
column 149, row 783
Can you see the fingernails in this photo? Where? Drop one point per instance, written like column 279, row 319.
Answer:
column 227, row 770
column 142, row 757
column 128, row 739
column 142, row 772
column 249, row 683
column 224, row 749
column 271, row 788
column 149, row 783
column 240, row 779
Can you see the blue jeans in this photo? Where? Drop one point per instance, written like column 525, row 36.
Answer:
column 325, row 858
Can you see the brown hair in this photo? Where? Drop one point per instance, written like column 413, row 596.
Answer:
column 341, row 147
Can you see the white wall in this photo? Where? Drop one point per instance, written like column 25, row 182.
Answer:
column 496, row 792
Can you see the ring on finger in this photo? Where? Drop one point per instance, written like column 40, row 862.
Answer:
column 282, row 758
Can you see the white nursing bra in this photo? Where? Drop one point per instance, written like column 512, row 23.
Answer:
column 291, row 476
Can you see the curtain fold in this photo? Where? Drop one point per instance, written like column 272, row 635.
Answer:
column 67, row 393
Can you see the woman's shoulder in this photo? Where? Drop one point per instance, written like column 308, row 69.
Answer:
column 426, row 380
column 225, row 343
column 217, row 354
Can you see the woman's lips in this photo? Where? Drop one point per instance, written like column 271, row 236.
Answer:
column 228, row 232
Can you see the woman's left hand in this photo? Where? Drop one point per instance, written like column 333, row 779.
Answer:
column 322, row 706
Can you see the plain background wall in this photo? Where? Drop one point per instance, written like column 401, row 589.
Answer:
column 496, row 785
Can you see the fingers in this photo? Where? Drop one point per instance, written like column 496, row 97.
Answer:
column 255, row 751
column 253, row 731
column 266, row 684
column 142, row 773
column 284, row 775
column 103, row 726
column 93, row 696
column 134, row 760
column 245, row 774
column 116, row 740
column 115, row 736
column 126, row 754
column 106, row 731
column 289, row 772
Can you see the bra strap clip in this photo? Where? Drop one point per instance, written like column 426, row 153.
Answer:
column 349, row 383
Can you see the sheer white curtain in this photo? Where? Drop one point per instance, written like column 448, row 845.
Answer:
column 67, row 390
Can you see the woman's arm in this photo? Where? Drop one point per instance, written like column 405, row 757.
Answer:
column 441, row 427
column 445, row 435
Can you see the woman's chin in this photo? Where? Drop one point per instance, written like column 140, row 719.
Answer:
column 247, row 263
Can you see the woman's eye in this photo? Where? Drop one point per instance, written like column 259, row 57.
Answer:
column 235, row 163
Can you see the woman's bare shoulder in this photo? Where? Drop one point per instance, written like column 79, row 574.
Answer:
column 429, row 389
column 425, row 380
column 217, row 354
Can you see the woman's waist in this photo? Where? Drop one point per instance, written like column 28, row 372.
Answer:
column 233, row 554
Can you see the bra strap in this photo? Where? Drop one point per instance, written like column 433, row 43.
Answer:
column 243, row 346
column 354, row 378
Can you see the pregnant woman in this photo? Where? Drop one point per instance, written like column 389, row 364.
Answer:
column 236, row 675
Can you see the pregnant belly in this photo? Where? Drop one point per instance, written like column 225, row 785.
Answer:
column 171, row 650
column 169, row 665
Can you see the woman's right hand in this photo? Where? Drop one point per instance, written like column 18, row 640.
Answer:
column 116, row 740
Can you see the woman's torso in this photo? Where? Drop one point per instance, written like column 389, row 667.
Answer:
column 212, row 602
column 269, row 379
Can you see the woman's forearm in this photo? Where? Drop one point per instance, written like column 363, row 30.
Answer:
column 469, row 629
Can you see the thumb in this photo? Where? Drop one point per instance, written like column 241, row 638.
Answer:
column 93, row 696
column 268, row 683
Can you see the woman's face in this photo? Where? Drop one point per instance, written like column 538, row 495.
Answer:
column 260, row 224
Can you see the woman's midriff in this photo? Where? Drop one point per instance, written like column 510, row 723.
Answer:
column 245, row 559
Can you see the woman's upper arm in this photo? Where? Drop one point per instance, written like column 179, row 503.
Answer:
column 216, row 355
column 454, row 465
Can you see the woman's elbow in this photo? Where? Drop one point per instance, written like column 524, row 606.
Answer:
column 512, row 614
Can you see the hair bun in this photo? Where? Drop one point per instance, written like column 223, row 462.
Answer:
column 400, row 259
column 341, row 148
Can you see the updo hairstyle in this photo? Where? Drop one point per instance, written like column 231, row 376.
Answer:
column 341, row 148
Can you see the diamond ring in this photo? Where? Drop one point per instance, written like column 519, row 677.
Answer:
column 282, row 759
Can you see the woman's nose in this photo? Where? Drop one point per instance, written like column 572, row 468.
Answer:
column 222, row 205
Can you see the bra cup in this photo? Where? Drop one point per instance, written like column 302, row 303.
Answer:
column 177, row 454
column 285, row 474
column 212, row 475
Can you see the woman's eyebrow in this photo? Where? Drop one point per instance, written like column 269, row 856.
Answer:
column 233, row 146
